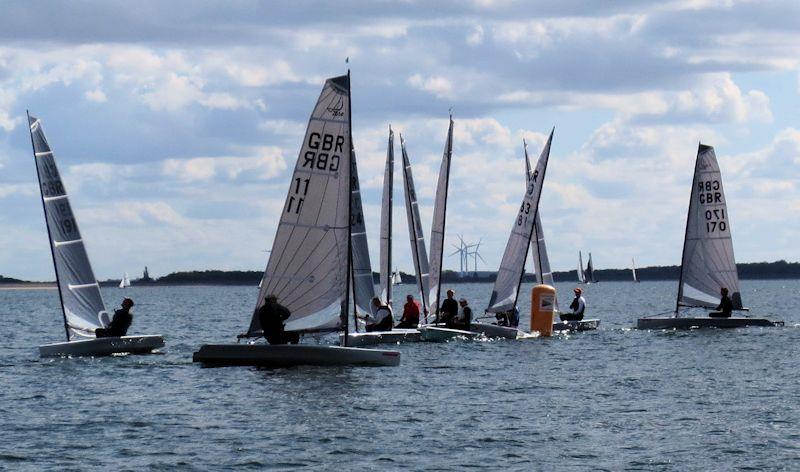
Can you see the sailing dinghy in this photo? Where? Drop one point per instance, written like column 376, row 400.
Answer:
column 125, row 282
column 707, row 263
column 364, row 289
column 311, row 263
column 81, row 303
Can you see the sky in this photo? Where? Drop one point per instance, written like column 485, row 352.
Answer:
column 176, row 124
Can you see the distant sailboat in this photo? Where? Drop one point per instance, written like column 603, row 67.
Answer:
column 313, row 258
column 396, row 279
column 707, row 264
column 81, row 303
column 125, row 282
column 633, row 270
column 588, row 274
column 581, row 275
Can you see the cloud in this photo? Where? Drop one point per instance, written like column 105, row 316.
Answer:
column 441, row 87
column 267, row 163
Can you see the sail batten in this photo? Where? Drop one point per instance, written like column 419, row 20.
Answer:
column 309, row 261
column 418, row 251
column 81, row 301
column 509, row 277
column 707, row 262
column 438, row 225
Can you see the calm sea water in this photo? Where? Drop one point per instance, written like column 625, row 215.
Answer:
column 615, row 399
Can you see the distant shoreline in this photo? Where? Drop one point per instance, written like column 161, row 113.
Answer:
column 779, row 270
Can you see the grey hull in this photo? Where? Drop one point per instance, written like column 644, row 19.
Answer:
column 382, row 337
column 103, row 346
column 288, row 355
column 494, row 331
column 704, row 322
column 583, row 325
column 432, row 333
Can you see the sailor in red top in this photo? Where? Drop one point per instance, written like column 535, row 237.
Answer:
column 410, row 317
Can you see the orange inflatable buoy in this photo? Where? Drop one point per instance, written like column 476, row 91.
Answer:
column 543, row 299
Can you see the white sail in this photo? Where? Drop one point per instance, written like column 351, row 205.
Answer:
column 363, row 284
column 509, row 275
column 581, row 275
column 307, row 268
column 633, row 270
column 81, row 301
column 541, row 263
column 396, row 279
column 588, row 274
column 708, row 263
column 125, row 282
column 386, row 276
column 417, row 237
column 437, row 227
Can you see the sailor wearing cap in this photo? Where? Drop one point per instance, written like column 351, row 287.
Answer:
column 578, row 306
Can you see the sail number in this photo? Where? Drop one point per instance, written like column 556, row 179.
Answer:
column 710, row 192
column 322, row 153
column 524, row 211
column 300, row 189
column 52, row 188
column 715, row 220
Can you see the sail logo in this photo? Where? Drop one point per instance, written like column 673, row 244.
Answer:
column 336, row 108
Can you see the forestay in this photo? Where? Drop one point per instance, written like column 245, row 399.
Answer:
column 363, row 285
column 307, row 268
column 418, row 251
column 437, row 227
column 708, row 263
column 386, row 278
column 81, row 301
column 509, row 275
column 541, row 262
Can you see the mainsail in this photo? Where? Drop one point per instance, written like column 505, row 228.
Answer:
column 581, row 275
column 708, row 263
column 509, row 275
column 308, row 264
column 541, row 263
column 588, row 274
column 125, row 282
column 363, row 285
column 81, row 301
column 439, row 217
column 386, row 277
column 633, row 270
column 418, row 251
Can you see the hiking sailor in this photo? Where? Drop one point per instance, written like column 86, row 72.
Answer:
column 120, row 323
column 271, row 316
column 410, row 317
column 578, row 306
column 383, row 319
column 463, row 319
column 725, row 306
column 449, row 309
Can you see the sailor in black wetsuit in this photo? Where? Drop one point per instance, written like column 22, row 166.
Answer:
column 449, row 308
column 120, row 323
column 725, row 306
column 271, row 315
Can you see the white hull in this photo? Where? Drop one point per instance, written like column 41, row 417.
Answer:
column 583, row 325
column 289, row 355
column 382, row 337
column 702, row 322
column 494, row 331
column 103, row 346
column 439, row 334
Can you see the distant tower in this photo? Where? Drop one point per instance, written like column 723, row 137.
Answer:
column 146, row 275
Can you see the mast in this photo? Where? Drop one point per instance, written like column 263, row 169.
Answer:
column 49, row 235
column 686, row 231
column 346, row 304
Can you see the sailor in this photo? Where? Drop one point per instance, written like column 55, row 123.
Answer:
column 508, row 318
column 272, row 315
column 463, row 318
column 449, row 309
column 120, row 323
column 578, row 306
column 410, row 317
column 725, row 306
column 383, row 319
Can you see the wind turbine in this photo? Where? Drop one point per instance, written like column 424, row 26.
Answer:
column 476, row 254
column 463, row 251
